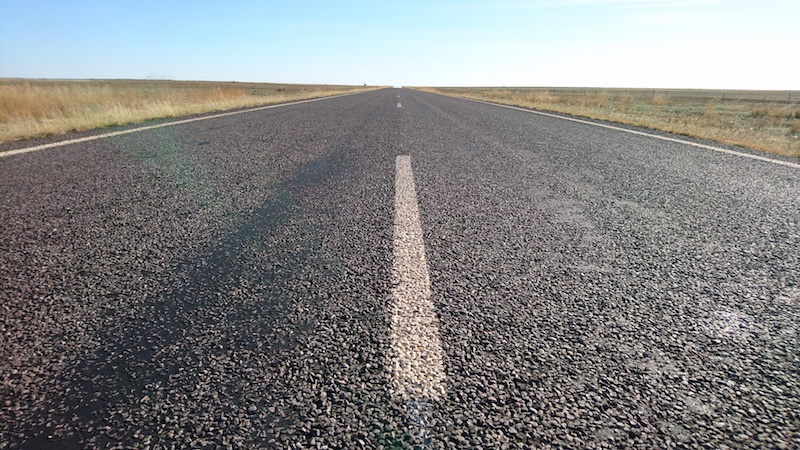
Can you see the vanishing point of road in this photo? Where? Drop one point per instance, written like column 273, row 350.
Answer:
column 397, row 269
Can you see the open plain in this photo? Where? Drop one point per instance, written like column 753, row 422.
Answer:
column 763, row 120
column 35, row 108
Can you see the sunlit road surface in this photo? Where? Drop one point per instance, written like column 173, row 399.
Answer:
column 353, row 273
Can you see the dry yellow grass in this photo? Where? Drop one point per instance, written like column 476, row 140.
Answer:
column 35, row 108
column 752, row 119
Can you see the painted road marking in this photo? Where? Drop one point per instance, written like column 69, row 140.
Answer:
column 399, row 105
column 417, row 366
column 663, row 138
column 151, row 127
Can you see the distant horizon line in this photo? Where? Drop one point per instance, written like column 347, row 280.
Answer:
column 465, row 86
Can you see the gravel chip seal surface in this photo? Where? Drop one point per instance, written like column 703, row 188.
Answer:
column 228, row 284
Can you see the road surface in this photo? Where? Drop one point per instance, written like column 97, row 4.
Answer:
column 397, row 269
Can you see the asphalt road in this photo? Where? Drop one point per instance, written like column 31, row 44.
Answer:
column 232, row 283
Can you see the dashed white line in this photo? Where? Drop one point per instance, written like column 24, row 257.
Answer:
column 417, row 366
column 399, row 105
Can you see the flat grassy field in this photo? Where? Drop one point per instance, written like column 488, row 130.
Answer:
column 36, row 108
column 762, row 120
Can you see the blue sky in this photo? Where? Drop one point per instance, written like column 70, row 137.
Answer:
column 741, row 44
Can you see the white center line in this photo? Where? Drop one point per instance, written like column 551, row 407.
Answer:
column 418, row 367
column 399, row 105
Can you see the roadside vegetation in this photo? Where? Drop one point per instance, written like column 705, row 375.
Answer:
column 37, row 108
column 762, row 120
